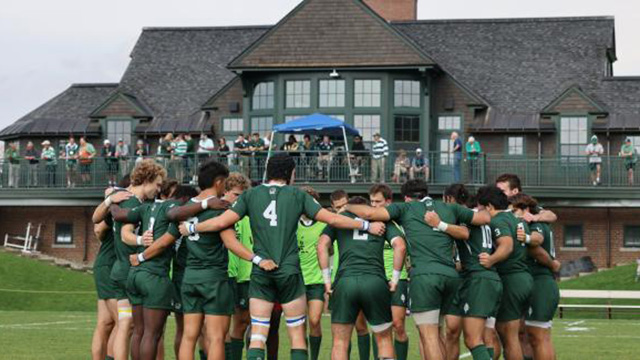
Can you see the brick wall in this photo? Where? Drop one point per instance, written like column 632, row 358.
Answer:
column 395, row 10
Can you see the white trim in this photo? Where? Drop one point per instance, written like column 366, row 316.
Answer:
column 575, row 249
column 630, row 249
column 63, row 246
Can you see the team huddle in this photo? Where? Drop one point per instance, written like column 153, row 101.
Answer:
column 229, row 259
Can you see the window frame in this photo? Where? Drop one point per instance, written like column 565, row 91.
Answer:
column 418, row 94
column 268, row 107
column 415, row 132
column 625, row 243
column 508, row 146
column 262, row 133
column 380, row 99
column 361, row 130
column 565, row 231
column 59, row 226
column 560, row 144
column 328, row 94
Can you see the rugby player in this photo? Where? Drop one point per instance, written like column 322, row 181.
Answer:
column 361, row 274
column 275, row 209
column 146, row 179
column 104, row 333
column 381, row 195
column 429, row 227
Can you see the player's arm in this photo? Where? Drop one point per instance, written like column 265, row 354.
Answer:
column 184, row 212
column 481, row 217
column 128, row 235
column 534, row 239
column 503, row 250
column 546, row 216
column 101, row 212
column 456, row 231
column 120, row 214
column 324, row 247
column 543, row 258
column 156, row 248
column 368, row 213
column 343, row 222
column 399, row 254
column 100, row 230
column 218, row 223
column 231, row 242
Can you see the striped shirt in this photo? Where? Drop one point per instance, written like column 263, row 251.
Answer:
column 180, row 148
column 380, row 149
column 49, row 154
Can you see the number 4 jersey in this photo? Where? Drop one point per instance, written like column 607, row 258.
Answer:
column 274, row 211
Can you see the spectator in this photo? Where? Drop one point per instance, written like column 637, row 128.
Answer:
column 324, row 156
column 456, row 150
column 31, row 154
column 267, row 140
column 49, row 156
column 180, row 147
column 306, row 148
column 122, row 153
column 473, row 153
column 108, row 153
column 241, row 146
column 628, row 153
column 165, row 149
column 401, row 167
column 223, row 150
column 379, row 153
column 190, row 157
column 257, row 146
column 71, row 157
column 86, row 153
column 358, row 152
column 205, row 148
column 141, row 151
column 419, row 165
column 292, row 146
column 594, row 152
column 12, row 155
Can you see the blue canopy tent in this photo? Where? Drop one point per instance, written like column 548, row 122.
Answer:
column 315, row 124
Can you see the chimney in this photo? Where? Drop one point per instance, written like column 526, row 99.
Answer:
column 395, row 10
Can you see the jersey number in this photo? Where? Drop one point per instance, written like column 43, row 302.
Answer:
column 270, row 214
column 196, row 236
column 487, row 243
column 360, row 235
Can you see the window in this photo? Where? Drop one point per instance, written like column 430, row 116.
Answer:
column 515, row 145
column 332, row 93
column 261, row 125
column 298, row 94
column 406, row 93
column 573, row 236
column 573, row 135
column 367, row 125
column 119, row 129
column 367, row 93
column 233, row 125
column 263, row 96
column 635, row 140
column 632, row 236
column 407, row 128
column 449, row 123
column 288, row 118
column 64, row 234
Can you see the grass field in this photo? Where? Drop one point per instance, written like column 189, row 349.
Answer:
column 47, row 312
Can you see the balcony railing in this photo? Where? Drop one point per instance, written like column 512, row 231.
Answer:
column 317, row 167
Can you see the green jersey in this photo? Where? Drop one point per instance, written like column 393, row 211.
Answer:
column 431, row 250
column 180, row 257
column 121, row 267
column 505, row 223
column 308, row 234
column 359, row 252
column 275, row 211
column 107, row 253
column 388, row 251
column 480, row 241
column 545, row 230
column 243, row 233
column 207, row 257
column 153, row 216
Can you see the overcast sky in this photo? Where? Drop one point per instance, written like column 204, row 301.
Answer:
column 48, row 45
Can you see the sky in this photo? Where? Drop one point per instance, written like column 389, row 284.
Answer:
column 49, row 45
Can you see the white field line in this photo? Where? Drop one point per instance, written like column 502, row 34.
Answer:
column 599, row 336
column 576, row 323
column 9, row 326
column 47, row 291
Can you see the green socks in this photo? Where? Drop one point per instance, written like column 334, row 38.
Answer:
column 314, row 346
column 203, row 354
column 374, row 345
column 402, row 349
column 491, row 352
column 237, row 345
column 299, row 354
column 108, row 357
column 349, row 352
column 480, row 353
column 364, row 347
column 528, row 358
column 227, row 350
column 256, row 354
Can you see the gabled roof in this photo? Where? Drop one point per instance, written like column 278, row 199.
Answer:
column 133, row 106
column 331, row 33
column 622, row 96
column 65, row 114
column 574, row 93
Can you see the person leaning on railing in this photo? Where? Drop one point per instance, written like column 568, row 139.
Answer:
column 628, row 153
column 49, row 156
column 32, row 156
column 401, row 167
column 86, row 153
column 108, row 153
column 122, row 153
column 12, row 155
column 379, row 154
column 473, row 153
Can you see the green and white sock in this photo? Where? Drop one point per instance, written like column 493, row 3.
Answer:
column 108, row 357
column 203, row 354
column 491, row 352
column 402, row 349
column 299, row 354
column 480, row 353
column 227, row 350
column 237, row 345
column 256, row 354
column 314, row 346
column 364, row 347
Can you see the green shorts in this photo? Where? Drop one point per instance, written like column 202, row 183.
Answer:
column 105, row 286
column 367, row 293
column 544, row 299
column 400, row 297
column 629, row 165
column 177, row 296
column 428, row 292
column 150, row 290
column 315, row 292
column 120, row 290
column 516, row 291
column 276, row 288
column 242, row 295
column 72, row 165
column 215, row 297
column 477, row 297
column 593, row 166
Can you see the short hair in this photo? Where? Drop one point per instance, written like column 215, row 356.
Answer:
column 168, row 186
column 415, row 189
column 280, row 167
column 185, row 192
column 235, row 180
column 255, row 134
column 522, row 201
column 311, row 191
column 492, row 195
column 512, row 179
column 337, row 195
column 458, row 192
column 358, row 200
column 125, row 181
column 147, row 171
column 210, row 172
column 383, row 189
column 307, row 136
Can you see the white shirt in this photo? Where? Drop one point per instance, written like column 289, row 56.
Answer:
column 204, row 145
column 597, row 148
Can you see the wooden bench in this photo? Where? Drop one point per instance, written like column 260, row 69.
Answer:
column 598, row 294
